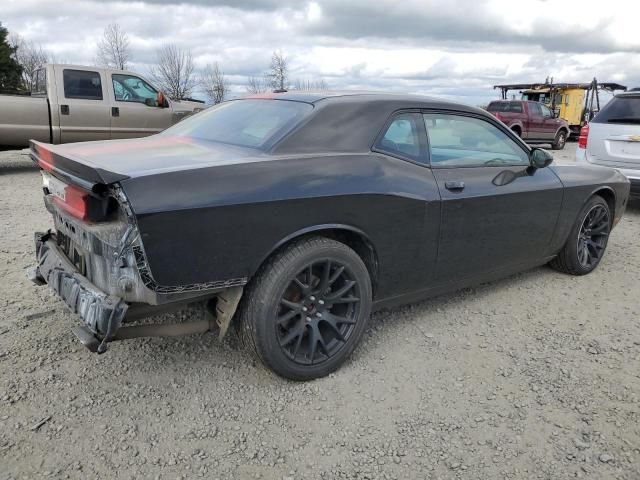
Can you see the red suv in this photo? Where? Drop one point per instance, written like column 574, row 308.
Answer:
column 532, row 121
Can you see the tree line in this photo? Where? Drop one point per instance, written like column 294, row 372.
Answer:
column 174, row 71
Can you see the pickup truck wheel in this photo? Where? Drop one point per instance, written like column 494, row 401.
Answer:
column 307, row 308
column 587, row 240
column 560, row 140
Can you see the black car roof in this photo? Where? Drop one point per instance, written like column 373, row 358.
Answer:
column 315, row 96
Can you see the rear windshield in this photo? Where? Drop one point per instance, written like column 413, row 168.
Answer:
column 513, row 107
column 248, row 123
column 621, row 109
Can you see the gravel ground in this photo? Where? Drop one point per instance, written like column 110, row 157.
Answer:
column 532, row 377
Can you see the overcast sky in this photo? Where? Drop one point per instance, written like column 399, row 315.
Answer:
column 455, row 48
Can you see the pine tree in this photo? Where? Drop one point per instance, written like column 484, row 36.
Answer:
column 10, row 70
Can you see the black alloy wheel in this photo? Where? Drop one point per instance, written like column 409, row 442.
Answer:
column 592, row 237
column 307, row 308
column 318, row 312
column 587, row 240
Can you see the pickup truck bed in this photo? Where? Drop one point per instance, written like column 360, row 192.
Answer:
column 22, row 118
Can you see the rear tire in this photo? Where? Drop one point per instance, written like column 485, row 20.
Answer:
column 517, row 131
column 587, row 240
column 560, row 140
column 307, row 308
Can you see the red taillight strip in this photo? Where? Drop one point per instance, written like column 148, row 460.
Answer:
column 583, row 139
column 75, row 202
column 45, row 159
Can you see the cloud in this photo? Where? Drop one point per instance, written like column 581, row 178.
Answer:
column 453, row 48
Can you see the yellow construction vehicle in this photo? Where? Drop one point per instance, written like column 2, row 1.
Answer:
column 576, row 103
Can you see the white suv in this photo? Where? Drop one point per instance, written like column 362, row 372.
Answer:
column 612, row 138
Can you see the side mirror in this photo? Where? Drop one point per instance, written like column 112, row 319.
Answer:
column 540, row 158
column 161, row 101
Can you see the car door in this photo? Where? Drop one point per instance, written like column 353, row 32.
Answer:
column 404, row 138
column 136, row 112
column 496, row 211
column 83, row 105
column 550, row 123
column 536, row 122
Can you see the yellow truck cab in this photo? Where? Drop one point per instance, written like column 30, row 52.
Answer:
column 568, row 103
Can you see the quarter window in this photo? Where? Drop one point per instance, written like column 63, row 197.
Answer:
column 402, row 137
column 457, row 141
column 128, row 88
column 82, row 84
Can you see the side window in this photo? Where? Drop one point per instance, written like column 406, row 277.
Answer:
column 128, row 88
column 535, row 109
column 82, row 84
column 515, row 107
column 458, row 141
column 402, row 137
column 39, row 83
column 546, row 112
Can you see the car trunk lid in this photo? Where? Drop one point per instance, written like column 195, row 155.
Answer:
column 91, row 164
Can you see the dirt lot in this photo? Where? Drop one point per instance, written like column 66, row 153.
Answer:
column 532, row 377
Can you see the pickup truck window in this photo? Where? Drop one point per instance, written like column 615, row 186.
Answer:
column 82, row 84
column 128, row 88
column 39, row 82
column 535, row 109
column 457, row 141
column 511, row 107
column 247, row 123
column 546, row 112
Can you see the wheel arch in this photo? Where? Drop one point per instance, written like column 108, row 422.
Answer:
column 351, row 236
column 609, row 196
column 517, row 128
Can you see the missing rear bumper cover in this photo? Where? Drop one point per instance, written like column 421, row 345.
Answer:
column 102, row 314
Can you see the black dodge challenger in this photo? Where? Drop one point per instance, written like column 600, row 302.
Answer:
column 291, row 216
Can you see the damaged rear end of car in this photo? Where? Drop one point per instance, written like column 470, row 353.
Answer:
column 94, row 258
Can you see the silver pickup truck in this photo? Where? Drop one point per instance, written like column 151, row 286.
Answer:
column 71, row 103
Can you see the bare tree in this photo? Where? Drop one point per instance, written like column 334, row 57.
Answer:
column 278, row 74
column 256, row 85
column 173, row 71
column 30, row 56
column 113, row 48
column 214, row 83
column 310, row 84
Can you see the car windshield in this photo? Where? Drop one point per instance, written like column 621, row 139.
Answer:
column 254, row 123
column 621, row 109
column 513, row 107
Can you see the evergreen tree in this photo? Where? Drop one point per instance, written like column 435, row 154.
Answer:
column 10, row 70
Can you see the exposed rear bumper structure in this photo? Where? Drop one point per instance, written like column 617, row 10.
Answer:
column 102, row 314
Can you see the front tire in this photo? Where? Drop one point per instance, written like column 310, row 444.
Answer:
column 587, row 240
column 307, row 308
column 560, row 140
